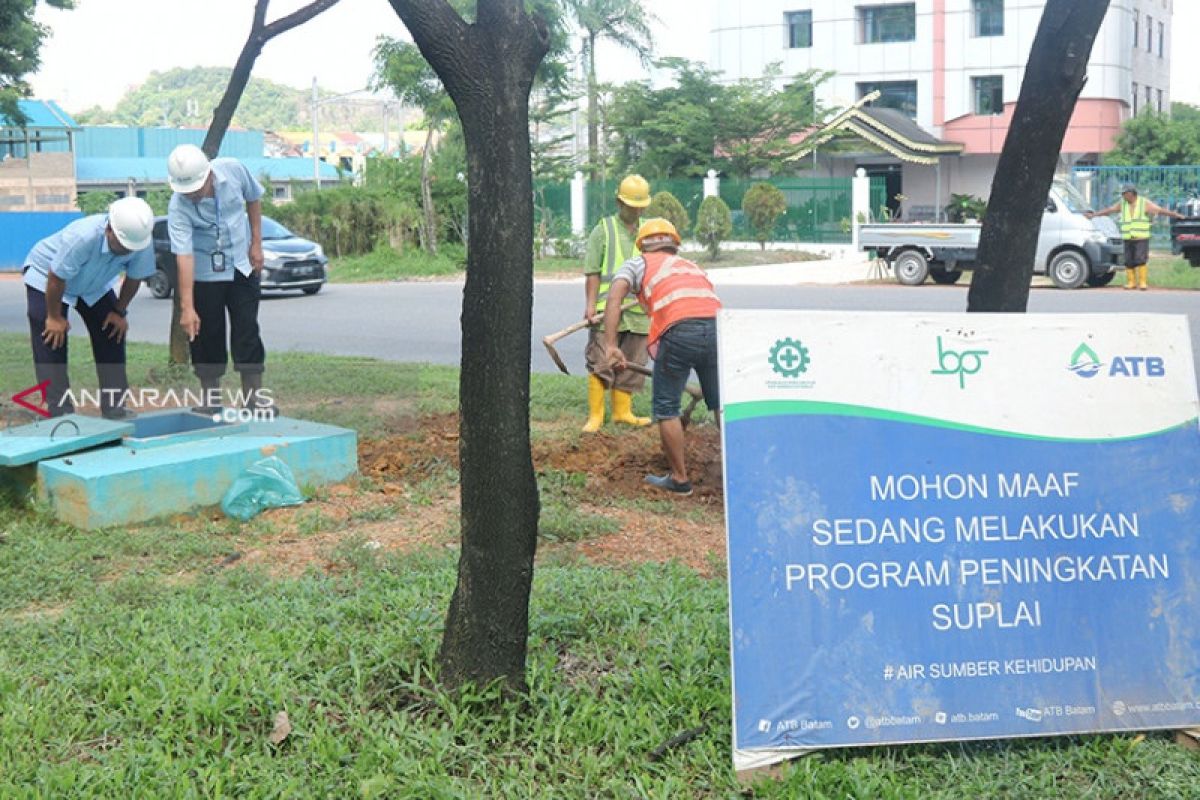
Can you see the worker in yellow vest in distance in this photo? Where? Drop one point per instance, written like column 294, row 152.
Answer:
column 1135, row 230
column 612, row 243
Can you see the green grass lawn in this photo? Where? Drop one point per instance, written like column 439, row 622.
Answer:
column 151, row 661
column 1170, row 272
column 387, row 265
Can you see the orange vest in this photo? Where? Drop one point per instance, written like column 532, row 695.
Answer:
column 675, row 289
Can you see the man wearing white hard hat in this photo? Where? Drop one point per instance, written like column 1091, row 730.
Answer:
column 78, row 267
column 215, row 223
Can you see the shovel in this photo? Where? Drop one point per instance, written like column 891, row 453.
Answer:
column 691, row 389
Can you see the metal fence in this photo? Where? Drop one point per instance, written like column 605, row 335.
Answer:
column 818, row 210
column 1176, row 188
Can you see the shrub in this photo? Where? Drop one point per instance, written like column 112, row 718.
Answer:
column 351, row 221
column 714, row 223
column 666, row 205
column 94, row 202
column 763, row 205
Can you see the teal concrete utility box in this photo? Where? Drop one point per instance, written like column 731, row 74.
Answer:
column 95, row 473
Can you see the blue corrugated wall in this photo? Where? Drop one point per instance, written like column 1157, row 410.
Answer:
column 21, row 230
column 119, row 142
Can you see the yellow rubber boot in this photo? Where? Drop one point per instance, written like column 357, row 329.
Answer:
column 595, row 404
column 1131, row 277
column 1142, row 270
column 623, row 410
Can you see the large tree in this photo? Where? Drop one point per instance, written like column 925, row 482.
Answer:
column 399, row 66
column 20, row 43
column 1159, row 139
column 697, row 122
column 1054, row 77
column 624, row 23
column 488, row 67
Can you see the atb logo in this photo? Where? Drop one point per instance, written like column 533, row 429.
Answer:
column 789, row 358
column 1087, row 364
column 960, row 363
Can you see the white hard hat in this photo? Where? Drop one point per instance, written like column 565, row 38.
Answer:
column 132, row 222
column 188, row 168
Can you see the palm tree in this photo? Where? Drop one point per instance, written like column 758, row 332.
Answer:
column 624, row 23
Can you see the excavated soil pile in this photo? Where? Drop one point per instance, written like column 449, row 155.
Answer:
column 615, row 462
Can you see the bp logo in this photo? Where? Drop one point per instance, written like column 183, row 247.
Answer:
column 1084, row 362
column 789, row 358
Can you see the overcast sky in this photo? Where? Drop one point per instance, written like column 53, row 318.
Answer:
column 103, row 47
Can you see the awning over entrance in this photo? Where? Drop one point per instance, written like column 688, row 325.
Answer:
column 885, row 128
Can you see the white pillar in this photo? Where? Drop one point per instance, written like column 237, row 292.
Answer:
column 712, row 184
column 578, row 205
column 860, row 203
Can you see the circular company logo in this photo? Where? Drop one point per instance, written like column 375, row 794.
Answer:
column 852, row 723
column 1118, row 708
column 789, row 358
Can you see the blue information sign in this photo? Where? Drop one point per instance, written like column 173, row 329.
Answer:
column 945, row 527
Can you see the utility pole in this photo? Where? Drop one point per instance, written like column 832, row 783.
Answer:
column 316, row 138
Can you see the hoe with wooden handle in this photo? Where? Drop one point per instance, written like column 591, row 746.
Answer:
column 549, row 341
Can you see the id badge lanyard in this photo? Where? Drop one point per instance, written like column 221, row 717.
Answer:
column 218, row 255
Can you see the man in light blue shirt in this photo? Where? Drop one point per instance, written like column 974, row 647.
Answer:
column 79, row 266
column 215, row 223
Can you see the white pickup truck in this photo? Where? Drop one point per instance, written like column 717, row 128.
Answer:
column 1072, row 249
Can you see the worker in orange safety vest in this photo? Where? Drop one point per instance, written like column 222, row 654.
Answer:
column 682, row 306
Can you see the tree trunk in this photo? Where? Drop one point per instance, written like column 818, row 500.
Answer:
column 593, row 113
column 429, row 226
column 488, row 68
column 1054, row 76
column 180, row 352
column 260, row 34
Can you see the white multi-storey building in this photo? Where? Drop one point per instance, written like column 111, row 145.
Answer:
column 953, row 66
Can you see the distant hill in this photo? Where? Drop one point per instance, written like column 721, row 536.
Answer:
column 186, row 97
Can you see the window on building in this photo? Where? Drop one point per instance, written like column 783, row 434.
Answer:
column 900, row 95
column 799, row 28
column 280, row 192
column 1149, row 98
column 1159, row 94
column 989, row 94
column 989, row 17
column 1149, row 34
column 1137, row 21
column 1135, row 99
column 1162, row 34
column 894, row 23
column 52, row 199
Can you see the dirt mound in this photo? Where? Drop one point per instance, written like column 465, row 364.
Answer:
column 430, row 447
column 615, row 462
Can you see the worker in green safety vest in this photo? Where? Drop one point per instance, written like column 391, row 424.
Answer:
column 1135, row 230
column 610, row 245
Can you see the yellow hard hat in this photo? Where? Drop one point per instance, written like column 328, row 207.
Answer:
column 634, row 191
column 657, row 228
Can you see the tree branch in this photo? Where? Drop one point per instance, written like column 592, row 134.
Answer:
column 297, row 17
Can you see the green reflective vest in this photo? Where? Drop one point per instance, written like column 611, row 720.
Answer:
column 614, row 257
column 1135, row 222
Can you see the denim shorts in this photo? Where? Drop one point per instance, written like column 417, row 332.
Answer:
column 686, row 346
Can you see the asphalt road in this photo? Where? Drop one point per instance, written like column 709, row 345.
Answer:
column 419, row 321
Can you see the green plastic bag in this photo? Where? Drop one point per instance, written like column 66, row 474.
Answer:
column 264, row 484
